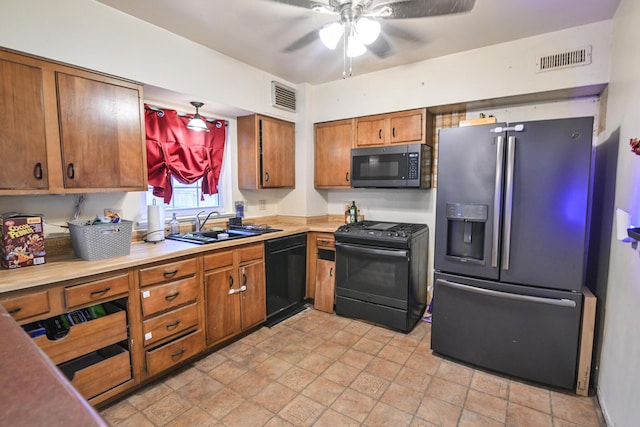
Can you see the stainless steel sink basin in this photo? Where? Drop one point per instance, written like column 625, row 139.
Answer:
column 206, row 237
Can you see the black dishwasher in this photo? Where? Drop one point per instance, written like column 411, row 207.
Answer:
column 286, row 275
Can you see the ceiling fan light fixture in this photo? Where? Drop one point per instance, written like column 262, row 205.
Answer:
column 330, row 34
column 368, row 30
column 197, row 123
column 355, row 47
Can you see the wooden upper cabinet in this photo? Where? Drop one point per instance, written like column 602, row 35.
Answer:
column 23, row 138
column 69, row 130
column 402, row 127
column 333, row 141
column 266, row 153
column 100, row 133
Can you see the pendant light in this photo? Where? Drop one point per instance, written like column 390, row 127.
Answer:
column 197, row 123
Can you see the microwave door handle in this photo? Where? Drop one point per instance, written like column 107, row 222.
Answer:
column 508, row 208
column 497, row 200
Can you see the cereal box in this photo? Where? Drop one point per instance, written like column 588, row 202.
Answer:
column 22, row 240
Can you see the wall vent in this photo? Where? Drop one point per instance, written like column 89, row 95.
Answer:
column 565, row 59
column 283, row 97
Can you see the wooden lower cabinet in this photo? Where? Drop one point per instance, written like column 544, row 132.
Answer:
column 235, row 291
column 325, row 294
column 321, row 270
column 175, row 352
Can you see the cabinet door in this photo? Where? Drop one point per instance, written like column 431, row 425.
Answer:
column 278, row 153
column 223, row 308
column 333, row 154
column 254, row 298
column 100, row 130
column 406, row 127
column 370, row 131
column 22, row 140
column 325, row 286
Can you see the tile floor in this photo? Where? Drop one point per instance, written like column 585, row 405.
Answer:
column 318, row 369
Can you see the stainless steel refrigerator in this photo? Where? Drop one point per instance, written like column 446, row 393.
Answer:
column 512, row 215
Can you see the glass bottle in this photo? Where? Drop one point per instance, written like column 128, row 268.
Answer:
column 353, row 213
column 174, row 224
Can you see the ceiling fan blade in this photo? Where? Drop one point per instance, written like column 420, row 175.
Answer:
column 381, row 47
column 303, row 41
column 395, row 31
column 406, row 9
column 308, row 4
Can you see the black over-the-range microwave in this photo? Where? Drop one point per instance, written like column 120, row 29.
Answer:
column 395, row 166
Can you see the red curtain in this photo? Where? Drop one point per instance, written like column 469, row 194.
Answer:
column 187, row 155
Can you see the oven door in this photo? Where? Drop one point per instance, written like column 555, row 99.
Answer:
column 373, row 274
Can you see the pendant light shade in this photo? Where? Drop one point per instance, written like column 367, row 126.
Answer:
column 368, row 30
column 197, row 123
column 330, row 34
column 355, row 47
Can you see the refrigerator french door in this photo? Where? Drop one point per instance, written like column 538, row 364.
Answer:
column 510, row 247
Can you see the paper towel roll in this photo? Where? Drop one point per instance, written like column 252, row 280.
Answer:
column 155, row 223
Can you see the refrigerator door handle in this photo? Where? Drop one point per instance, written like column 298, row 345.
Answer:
column 508, row 295
column 497, row 200
column 508, row 202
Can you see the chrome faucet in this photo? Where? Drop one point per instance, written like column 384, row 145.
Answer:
column 199, row 224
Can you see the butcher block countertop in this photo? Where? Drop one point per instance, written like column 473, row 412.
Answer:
column 67, row 267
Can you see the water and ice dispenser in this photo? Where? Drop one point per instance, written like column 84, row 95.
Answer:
column 466, row 225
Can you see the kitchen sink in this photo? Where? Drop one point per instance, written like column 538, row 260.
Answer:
column 206, row 237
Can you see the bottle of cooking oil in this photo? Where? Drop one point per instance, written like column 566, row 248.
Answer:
column 353, row 213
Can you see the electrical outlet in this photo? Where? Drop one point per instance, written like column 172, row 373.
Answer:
column 262, row 204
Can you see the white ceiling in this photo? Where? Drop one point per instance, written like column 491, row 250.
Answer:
column 258, row 31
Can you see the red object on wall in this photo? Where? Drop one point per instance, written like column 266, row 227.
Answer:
column 187, row 155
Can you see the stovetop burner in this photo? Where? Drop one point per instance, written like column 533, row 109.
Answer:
column 379, row 232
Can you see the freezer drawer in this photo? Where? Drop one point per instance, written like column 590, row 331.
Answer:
column 531, row 333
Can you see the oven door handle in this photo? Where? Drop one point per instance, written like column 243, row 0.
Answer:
column 400, row 253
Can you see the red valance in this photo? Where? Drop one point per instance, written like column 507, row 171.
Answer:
column 187, row 155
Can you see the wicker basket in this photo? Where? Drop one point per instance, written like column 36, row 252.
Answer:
column 93, row 242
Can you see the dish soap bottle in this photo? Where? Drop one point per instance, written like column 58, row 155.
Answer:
column 174, row 224
column 353, row 213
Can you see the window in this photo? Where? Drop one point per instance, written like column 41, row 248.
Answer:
column 187, row 197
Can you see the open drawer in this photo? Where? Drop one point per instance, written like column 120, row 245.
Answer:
column 86, row 337
column 98, row 371
column 168, row 355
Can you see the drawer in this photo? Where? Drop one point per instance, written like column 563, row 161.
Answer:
column 170, row 271
column 98, row 371
column 165, row 297
column 251, row 252
column 218, row 260
column 326, row 242
column 169, row 324
column 85, row 337
column 168, row 355
column 95, row 292
column 28, row 305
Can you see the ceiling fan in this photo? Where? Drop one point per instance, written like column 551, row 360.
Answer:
column 358, row 23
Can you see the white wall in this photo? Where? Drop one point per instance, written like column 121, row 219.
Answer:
column 619, row 377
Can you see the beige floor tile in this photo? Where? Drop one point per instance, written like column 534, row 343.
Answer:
column 369, row 384
column 340, row 373
column 221, row 403
column 118, row 412
column 454, row 372
column 249, row 384
column 323, row 391
column 149, row 395
column 384, row 415
column 490, row 384
column 193, row 417
column 369, row 346
column 297, row 378
column 256, row 337
column 416, row 380
column 401, row 397
column 183, row 376
column 167, row 409
column 380, row 334
column 383, row 368
column 419, row 422
column 447, row 391
column 247, row 414
column 576, row 409
column 273, row 344
column 359, row 328
column 250, row 358
column 530, row 396
column 486, row 405
column 227, row 372
column 472, row 419
column 293, row 353
column 274, row 397
column 136, row 420
column 331, row 418
column 209, row 362
column 315, row 363
column 518, row 415
column 331, row 350
column 396, row 354
column 345, row 338
column 404, row 341
column 424, row 361
column 200, row 389
column 439, row 412
column 302, row 411
column 355, row 358
column 273, row 367
column 354, row 405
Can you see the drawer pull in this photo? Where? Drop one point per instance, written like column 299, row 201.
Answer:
column 172, row 296
column 100, row 292
column 244, row 280
column 15, row 310
column 172, row 324
column 168, row 274
column 230, row 281
column 178, row 353
column 331, row 272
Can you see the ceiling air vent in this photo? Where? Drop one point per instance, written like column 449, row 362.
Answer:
column 565, row 59
column 283, row 97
